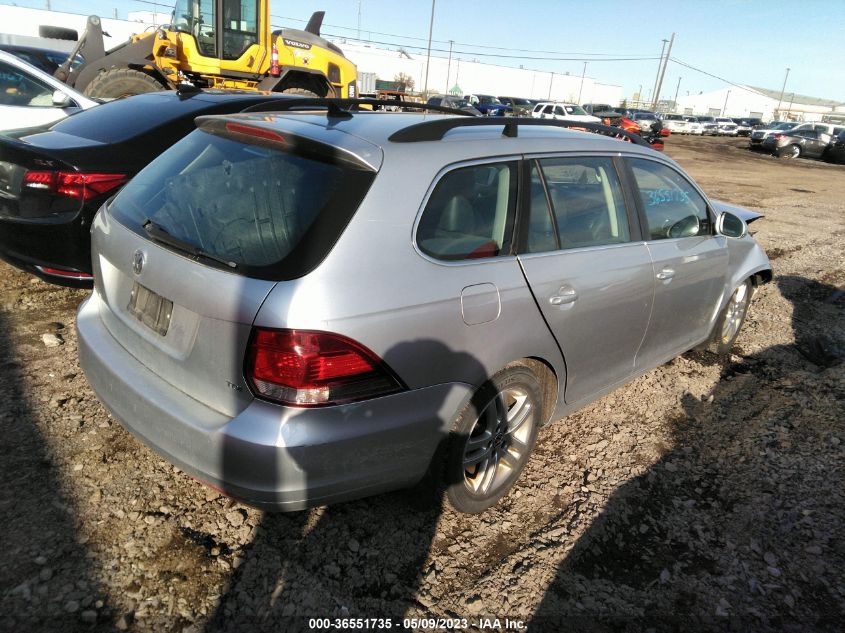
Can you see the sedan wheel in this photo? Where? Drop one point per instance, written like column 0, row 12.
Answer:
column 492, row 439
column 731, row 318
column 789, row 152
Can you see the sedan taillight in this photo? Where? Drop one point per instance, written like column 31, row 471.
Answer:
column 307, row 368
column 73, row 184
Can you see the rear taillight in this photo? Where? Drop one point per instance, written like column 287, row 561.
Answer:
column 307, row 368
column 73, row 184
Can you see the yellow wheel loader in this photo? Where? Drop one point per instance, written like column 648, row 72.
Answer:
column 211, row 44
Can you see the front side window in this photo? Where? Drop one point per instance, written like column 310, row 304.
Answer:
column 673, row 207
column 587, row 205
column 470, row 213
column 20, row 89
column 198, row 19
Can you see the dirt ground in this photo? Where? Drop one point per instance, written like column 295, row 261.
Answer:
column 706, row 495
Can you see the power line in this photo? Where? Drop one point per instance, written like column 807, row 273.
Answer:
column 422, row 39
column 727, row 81
column 494, row 55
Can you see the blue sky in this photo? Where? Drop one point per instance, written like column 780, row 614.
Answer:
column 746, row 42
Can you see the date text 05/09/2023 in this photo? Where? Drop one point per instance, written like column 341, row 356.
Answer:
column 417, row 624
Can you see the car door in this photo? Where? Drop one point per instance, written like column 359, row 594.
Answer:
column 25, row 100
column 690, row 260
column 589, row 272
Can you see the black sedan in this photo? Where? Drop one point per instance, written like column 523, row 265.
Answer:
column 53, row 179
column 808, row 143
column 836, row 151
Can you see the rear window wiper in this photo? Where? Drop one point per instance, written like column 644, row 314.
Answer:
column 160, row 234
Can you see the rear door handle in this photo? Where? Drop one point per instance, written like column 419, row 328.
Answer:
column 666, row 274
column 565, row 294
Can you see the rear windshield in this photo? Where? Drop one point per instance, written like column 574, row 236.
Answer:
column 273, row 213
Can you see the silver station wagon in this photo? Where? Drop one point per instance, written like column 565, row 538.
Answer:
column 303, row 307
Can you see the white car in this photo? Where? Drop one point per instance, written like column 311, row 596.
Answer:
column 675, row 123
column 30, row 97
column 727, row 127
column 563, row 112
column 693, row 125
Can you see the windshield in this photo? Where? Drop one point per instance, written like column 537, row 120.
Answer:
column 273, row 213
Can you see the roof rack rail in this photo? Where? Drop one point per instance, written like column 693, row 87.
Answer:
column 343, row 108
column 435, row 130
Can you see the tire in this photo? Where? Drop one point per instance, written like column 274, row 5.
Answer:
column 789, row 152
column 492, row 439
column 121, row 82
column 301, row 92
column 731, row 318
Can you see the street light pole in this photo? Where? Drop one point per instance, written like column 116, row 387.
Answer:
column 780, row 101
column 584, row 72
column 428, row 56
column 551, row 81
column 677, row 89
column 725, row 107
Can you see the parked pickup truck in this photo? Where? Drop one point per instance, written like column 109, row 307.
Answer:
column 489, row 105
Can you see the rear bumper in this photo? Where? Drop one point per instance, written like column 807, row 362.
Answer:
column 271, row 456
column 63, row 244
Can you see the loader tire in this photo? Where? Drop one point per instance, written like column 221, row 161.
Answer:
column 301, row 92
column 121, row 82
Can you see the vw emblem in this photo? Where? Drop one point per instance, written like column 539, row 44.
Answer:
column 138, row 262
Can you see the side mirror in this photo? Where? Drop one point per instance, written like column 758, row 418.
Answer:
column 731, row 225
column 60, row 99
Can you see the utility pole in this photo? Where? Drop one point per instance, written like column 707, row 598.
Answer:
column 448, row 67
column 725, row 107
column 677, row 89
column 583, row 72
column 551, row 81
column 662, row 72
column 428, row 56
column 781, row 92
column 791, row 99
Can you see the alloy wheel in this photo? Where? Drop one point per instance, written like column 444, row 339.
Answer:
column 735, row 313
column 499, row 441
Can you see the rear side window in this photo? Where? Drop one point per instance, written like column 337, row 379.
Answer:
column 274, row 213
column 673, row 207
column 587, row 205
column 470, row 213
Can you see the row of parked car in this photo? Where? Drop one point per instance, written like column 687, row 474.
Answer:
column 792, row 140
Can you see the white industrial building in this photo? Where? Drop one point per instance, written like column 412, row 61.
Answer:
column 749, row 101
column 471, row 77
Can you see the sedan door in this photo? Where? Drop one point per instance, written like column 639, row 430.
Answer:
column 589, row 273
column 26, row 101
column 690, row 260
